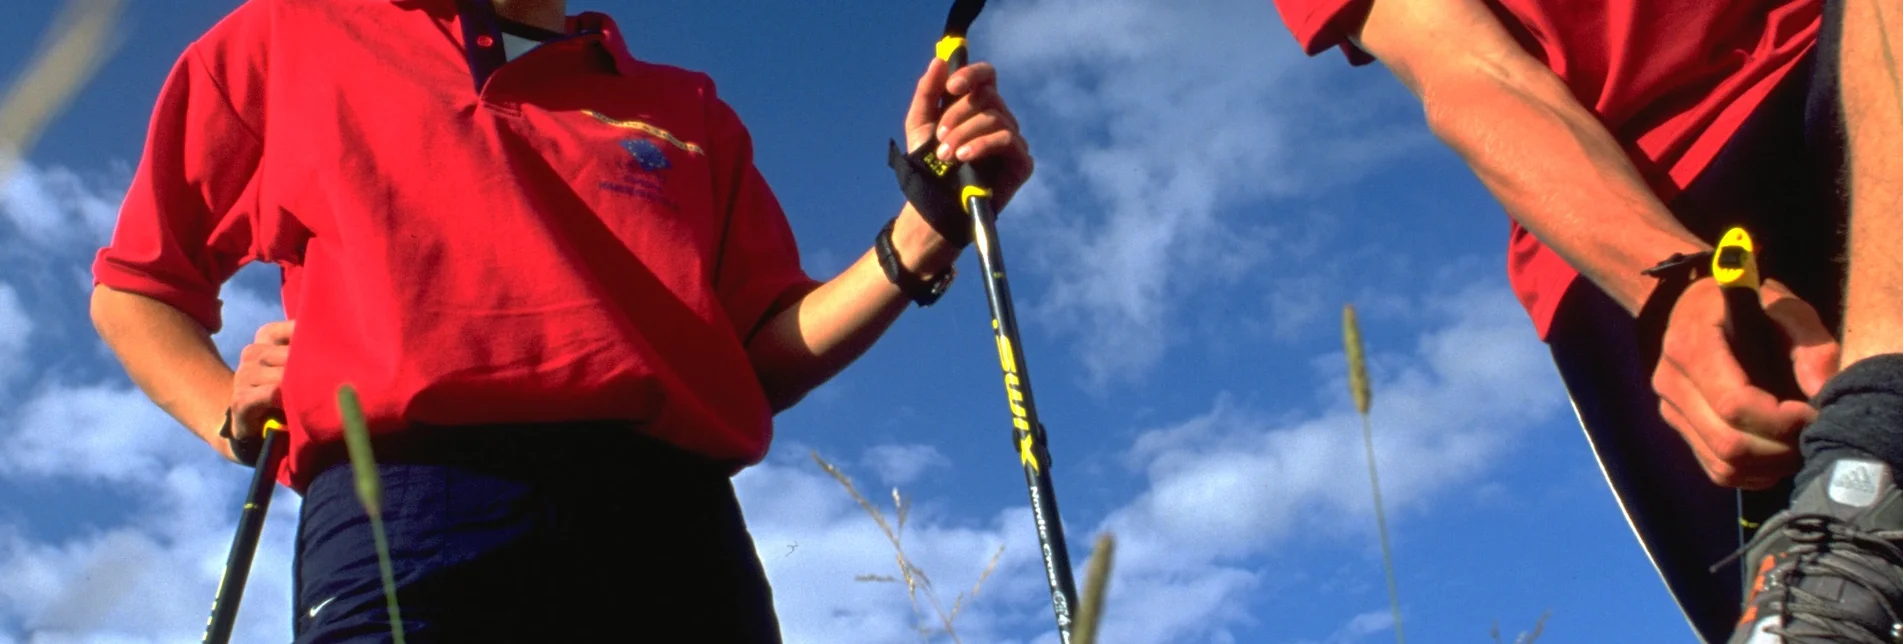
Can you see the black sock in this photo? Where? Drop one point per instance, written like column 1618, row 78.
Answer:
column 1859, row 415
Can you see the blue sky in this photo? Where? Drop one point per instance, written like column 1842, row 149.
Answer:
column 1206, row 200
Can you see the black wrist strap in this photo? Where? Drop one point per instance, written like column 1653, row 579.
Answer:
column 1674, row 275
column 246, row 451
column 932, row 188
column 921, row 291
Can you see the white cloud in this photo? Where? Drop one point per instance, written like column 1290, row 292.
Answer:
column 815, row 540
column 59, row 208
column 1362, row 625
column 145, row 573
column 903, row 464
column 1221, row 489
column 146, row 581
column 1162, row 129
column 1235, row 482
column 95, row 433
column 244, row 311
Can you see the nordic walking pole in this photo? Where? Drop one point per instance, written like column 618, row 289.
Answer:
column 257, row 502
column 1760, row 350
column 1027, row 433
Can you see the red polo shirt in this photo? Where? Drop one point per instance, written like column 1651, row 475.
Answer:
column 1671, row 79
column 571, row 235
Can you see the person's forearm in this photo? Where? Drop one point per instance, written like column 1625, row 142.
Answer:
column 816, row 338
column 1557, row 172
column 170, row 357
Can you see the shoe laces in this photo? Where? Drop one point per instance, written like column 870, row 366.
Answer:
column 1829, row 546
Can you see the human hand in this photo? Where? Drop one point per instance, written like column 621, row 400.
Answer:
column 973, row 125
column 254, row 387
column 1742, row 435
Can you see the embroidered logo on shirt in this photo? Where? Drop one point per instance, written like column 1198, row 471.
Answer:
column 639, row 173
column 646, row 154
column 650, row 130
column 647, row 159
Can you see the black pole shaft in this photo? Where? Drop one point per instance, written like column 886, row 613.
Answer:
column 1027, row 433
column 257, row 503
column 1764, row 355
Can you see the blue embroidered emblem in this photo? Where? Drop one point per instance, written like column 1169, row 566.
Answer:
column 646, row 153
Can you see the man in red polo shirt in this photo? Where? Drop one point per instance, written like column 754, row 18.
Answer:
column 1619, row 134
column 568, row 299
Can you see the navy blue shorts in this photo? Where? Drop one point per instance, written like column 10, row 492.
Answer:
column 555, row 533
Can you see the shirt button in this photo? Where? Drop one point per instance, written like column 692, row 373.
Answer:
column 485, row 41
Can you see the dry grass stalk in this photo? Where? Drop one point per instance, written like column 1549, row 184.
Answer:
column 1357, row 362
column 1363, row 394
column 913, row 576
column 1096, row 584
column 370, row 491
column 959, row 603
column 80, row 40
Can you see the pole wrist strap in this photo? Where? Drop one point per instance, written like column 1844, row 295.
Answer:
column 245, row 450
column 932, row 189
column 1674, row 275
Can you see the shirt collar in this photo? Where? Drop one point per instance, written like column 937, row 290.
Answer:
column 592, row 24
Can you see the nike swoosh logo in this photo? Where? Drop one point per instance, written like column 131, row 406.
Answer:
column 320, row 606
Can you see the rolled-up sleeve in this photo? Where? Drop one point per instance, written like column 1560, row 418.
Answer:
column 757, row 273
column 185, row 225
column 1320, row 25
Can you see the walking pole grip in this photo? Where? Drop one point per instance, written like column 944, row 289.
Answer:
column 1755, row 340
column 973, row 193
column 257, row 503
column 1761, row 351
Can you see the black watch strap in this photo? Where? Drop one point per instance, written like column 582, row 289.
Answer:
column 1674, row 275
column 923, row 292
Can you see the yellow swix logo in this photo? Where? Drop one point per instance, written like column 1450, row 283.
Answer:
column 939, row 166
column 1020, row 419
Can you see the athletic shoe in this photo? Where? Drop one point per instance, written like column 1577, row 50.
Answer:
column 1829, row 568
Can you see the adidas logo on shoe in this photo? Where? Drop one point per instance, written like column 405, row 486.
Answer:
column 1854, row 482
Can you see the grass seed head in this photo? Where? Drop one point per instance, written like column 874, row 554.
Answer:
column 1357, row 363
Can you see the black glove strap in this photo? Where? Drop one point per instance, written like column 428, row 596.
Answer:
column 932, row 188
column 922, row 292
column 1674, row 275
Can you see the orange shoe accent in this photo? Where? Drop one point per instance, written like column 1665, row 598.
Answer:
column 1757, row 585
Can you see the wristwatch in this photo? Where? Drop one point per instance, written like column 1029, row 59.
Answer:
column 245, row 450
column 923, row 291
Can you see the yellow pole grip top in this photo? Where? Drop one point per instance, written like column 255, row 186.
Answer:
column 964, row 198
column 1735, row 263
column 949, row 44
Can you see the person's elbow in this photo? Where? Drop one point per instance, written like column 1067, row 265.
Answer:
column 783, row 368
column 107, row 309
